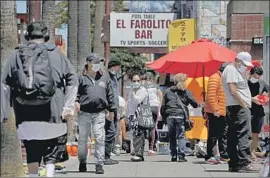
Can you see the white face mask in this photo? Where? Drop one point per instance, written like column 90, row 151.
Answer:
column 136, row 85
column 113, row 72
column 253, row 80
column 242, row 69
column 95, row 67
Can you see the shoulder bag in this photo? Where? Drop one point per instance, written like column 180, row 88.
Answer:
column 144, row 115
column 188, row 123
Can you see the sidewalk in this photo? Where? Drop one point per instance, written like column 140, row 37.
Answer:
column 154, row 166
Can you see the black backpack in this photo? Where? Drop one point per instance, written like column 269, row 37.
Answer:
column 34, row 83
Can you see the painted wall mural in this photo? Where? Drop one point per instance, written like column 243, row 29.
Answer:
column 212, row 19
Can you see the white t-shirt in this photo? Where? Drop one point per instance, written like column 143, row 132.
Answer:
column 134, row 99
column 232, row 75
column 153, row 97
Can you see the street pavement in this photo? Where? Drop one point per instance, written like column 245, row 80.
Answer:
column 153, row 166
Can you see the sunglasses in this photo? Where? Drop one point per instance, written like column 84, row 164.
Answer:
column 135, row 81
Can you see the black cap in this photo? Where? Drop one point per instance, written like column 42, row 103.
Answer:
column 256, row 70
column 114, row 62
column 223, row 66
column 37, row 29
column 93, row 57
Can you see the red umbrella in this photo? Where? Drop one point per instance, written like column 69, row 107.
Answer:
column 199, row 59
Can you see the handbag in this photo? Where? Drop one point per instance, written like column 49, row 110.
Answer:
column 187, row 122
column 144, row 115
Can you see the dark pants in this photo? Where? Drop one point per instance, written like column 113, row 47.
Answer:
column 139, row 141
column 51, row 151
column 217, row 131
column 239, row 131
column 177, row 135
column 110, row 131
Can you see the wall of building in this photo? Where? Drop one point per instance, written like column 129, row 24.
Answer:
column 245, row 21
column 212, row 20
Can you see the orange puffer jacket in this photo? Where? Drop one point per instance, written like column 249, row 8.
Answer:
column 216, row 99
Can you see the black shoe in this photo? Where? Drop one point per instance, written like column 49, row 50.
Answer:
column 110, row 161
column 82, row 167
column 248, row 169
column 182, row 159
column 99, row 169
column 174, row 159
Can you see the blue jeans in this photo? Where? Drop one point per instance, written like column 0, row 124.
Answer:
column 97, row 122
column 177, row 135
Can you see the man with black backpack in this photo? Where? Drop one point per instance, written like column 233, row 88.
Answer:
column 43, row 92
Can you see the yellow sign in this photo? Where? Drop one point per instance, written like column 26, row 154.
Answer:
column 181, row 33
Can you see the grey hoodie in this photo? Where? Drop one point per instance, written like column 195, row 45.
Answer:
column 62, row 101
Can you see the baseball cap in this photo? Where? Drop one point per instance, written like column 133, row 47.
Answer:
column 93, row 57
column 114, row 62
column 245, row 57
column 223, row 66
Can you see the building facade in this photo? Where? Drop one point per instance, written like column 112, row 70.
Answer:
column 245, row 22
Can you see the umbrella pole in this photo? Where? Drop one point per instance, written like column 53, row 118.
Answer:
column 204, row 93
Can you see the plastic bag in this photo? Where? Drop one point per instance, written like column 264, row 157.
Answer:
column 5, row 101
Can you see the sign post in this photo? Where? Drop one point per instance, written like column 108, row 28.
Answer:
column 139, row 29
column 266, row 58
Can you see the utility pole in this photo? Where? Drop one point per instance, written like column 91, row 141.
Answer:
column 33, row 10
column 107, row 44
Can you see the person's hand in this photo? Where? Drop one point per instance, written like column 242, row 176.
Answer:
column 111, row 116
column 67, row 117
column 256, row 100
column 244, row 105
column 203, row 104
column 217, row 114
column 78, row 106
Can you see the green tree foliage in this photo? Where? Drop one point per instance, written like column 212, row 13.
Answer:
column 131, row 62
column 61, row 13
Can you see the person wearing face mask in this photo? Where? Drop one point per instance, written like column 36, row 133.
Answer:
column 137, row 95
column 257, row 87
column 155, row 99
column 95, row 97
column 238, row 102
column 110, row 126
column 175, row 110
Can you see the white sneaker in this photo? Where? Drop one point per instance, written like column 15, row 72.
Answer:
column 117, row 150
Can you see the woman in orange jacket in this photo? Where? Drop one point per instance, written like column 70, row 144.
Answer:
column 216, row 114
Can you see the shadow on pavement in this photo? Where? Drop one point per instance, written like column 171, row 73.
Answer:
column 216, row 171
column 77, row 172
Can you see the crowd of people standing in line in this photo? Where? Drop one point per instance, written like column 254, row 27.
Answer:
column 42, row 80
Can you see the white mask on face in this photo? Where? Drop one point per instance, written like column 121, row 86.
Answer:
column 136, row 85
column 242, row 69
column 95, row 67
column 253, row 80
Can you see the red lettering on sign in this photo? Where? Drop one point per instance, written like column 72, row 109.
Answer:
column 120, row 24
column 156, row 24
column 144, row 34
